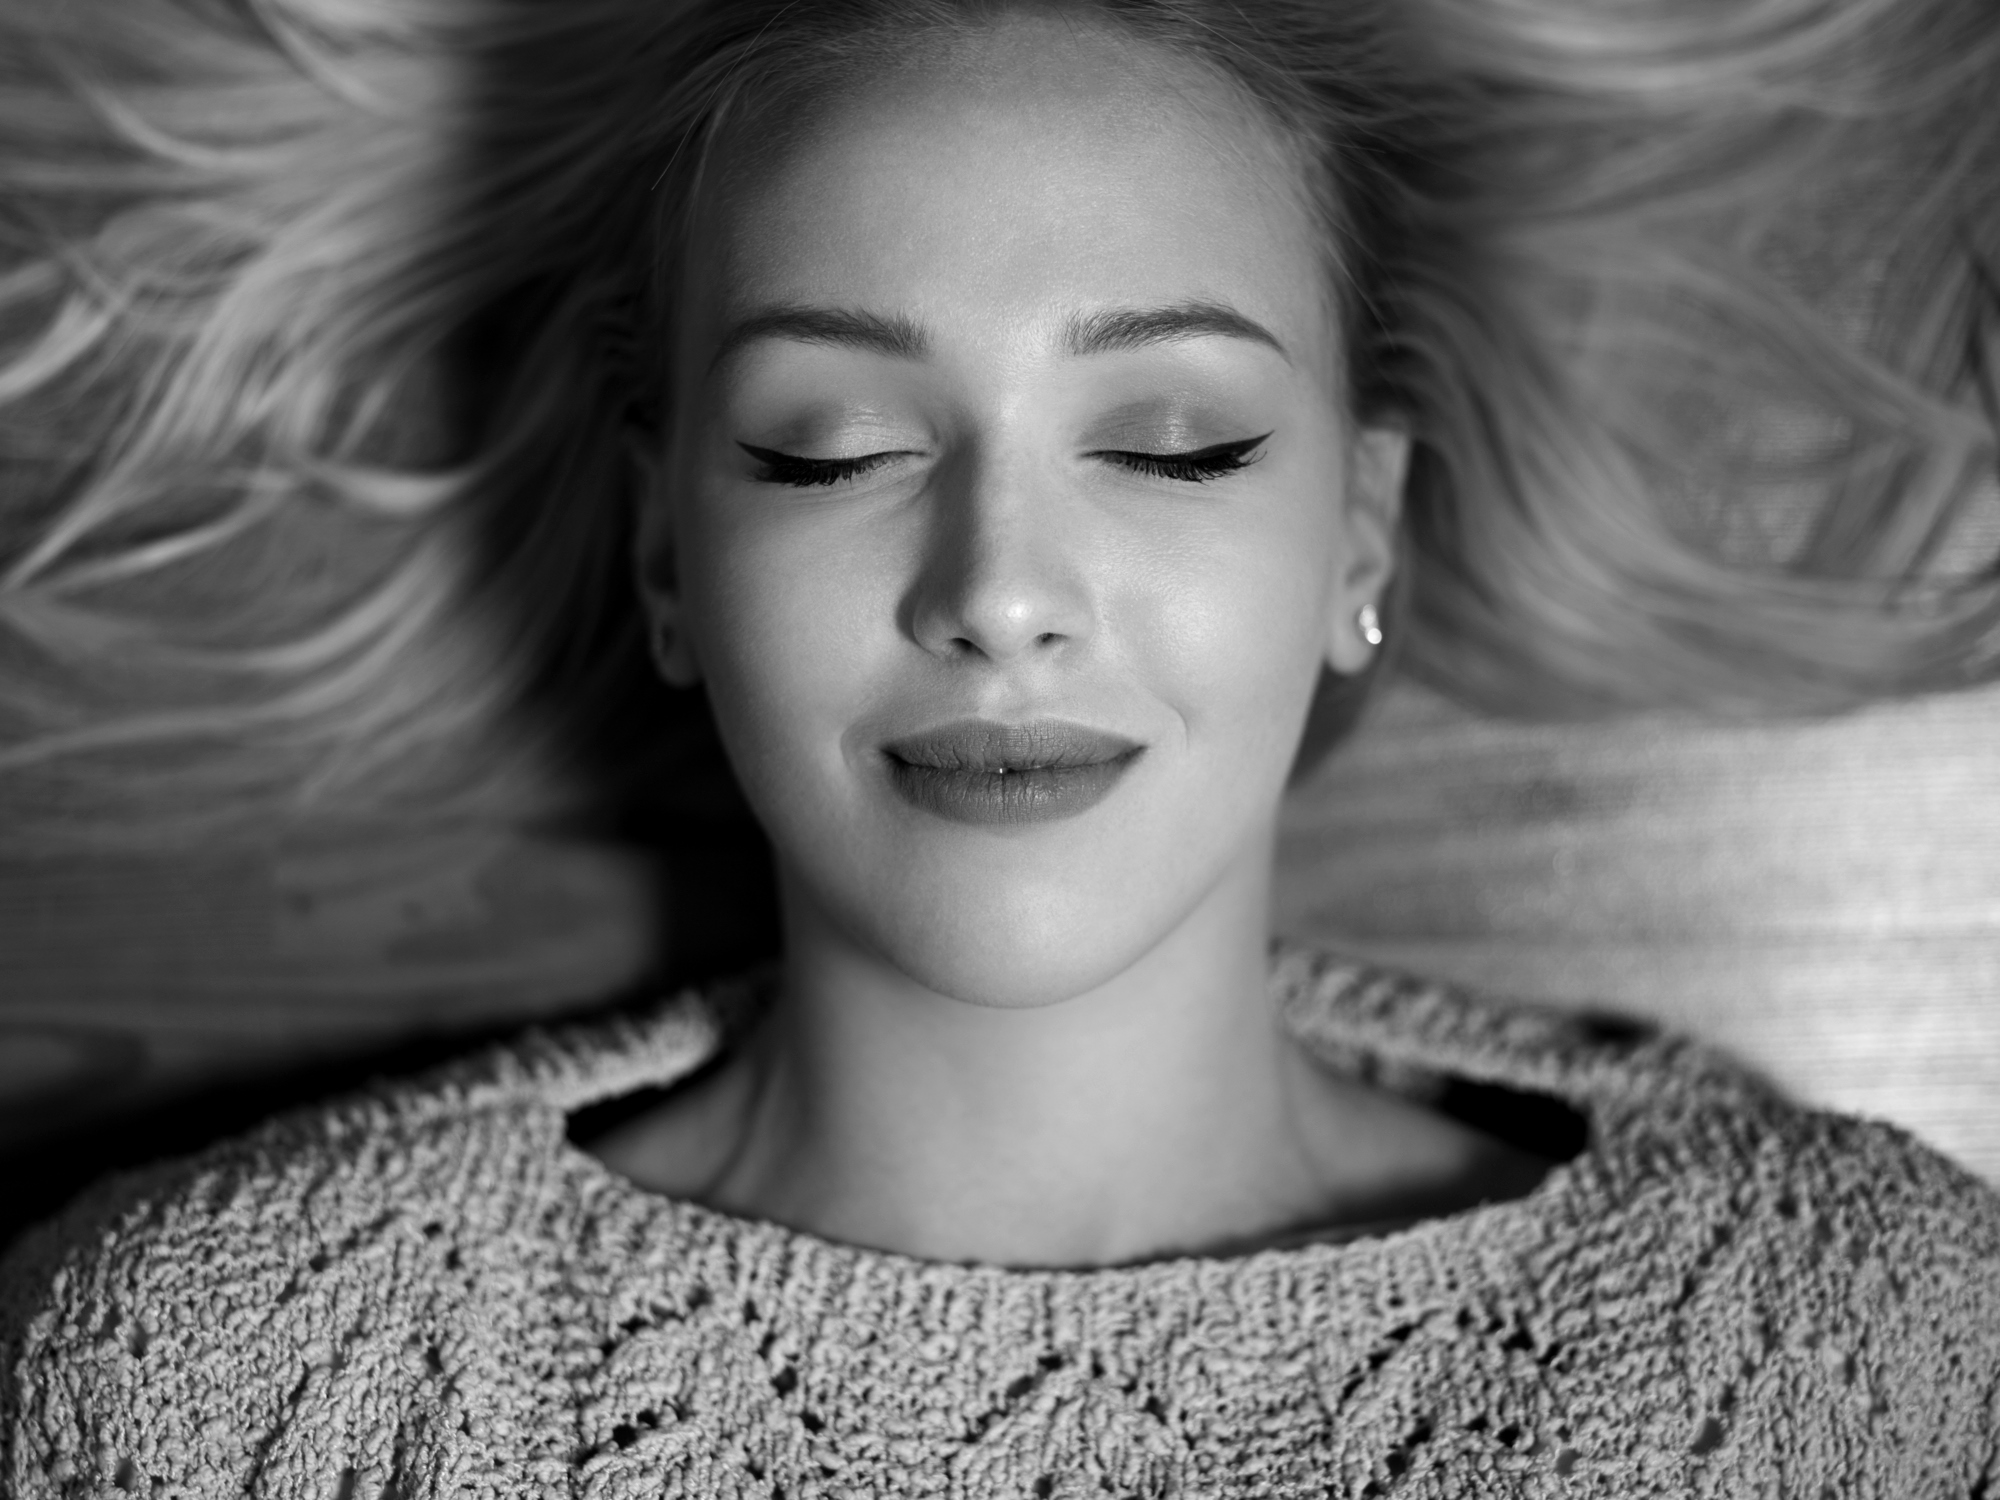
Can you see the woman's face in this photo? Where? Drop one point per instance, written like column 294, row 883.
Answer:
column 1012, row 514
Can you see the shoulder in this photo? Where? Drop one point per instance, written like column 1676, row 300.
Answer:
column 323, row 1282
column 163, row 1325
column 1901, row 1236
column 1786, row 1291
column 1827, row 1196
column 1829, row 1289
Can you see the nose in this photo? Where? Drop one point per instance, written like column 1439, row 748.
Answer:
column 1001, row 577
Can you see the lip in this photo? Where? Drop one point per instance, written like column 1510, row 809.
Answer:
column 981, row 771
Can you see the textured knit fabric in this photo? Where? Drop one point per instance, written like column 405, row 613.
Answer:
column 427, row 1290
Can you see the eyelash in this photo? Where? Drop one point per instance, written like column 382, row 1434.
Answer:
column 1195, row 467
column 802, row 473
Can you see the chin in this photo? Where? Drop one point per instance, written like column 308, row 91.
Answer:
column 1010, row 975
column 1011, row 947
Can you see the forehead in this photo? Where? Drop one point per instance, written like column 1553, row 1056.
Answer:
column 1033, row 173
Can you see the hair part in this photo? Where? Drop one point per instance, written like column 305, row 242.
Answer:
column 322, row 323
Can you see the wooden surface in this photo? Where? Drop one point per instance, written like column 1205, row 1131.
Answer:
column 122, row 980
column 1824, row 900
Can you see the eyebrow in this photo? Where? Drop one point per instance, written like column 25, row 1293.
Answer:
column 1137, row 328
column 1103, row 332
column 894, row 335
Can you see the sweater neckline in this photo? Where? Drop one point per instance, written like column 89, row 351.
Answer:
column 1390, row 1029
column 1442, row 1240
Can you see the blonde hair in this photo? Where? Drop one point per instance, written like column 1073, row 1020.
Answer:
column 323, row 323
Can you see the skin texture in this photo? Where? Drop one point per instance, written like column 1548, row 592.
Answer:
column 1045, row 1043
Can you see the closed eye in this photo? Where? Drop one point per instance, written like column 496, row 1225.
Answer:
column 793, row 469
column 1197, row 466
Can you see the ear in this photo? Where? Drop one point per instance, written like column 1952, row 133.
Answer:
column 1378, row 462
column 655, row 563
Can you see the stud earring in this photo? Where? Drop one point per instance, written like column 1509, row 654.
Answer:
column 1369, row 624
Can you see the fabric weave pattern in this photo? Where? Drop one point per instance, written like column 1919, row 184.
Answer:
column 426, row 1290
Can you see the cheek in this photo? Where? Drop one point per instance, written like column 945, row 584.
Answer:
column 1233, row 627
column 781, row 619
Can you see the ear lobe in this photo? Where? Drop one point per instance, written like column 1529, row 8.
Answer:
column 655, row 566
column 1378, row 461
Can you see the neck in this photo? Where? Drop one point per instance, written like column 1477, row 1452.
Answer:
column 1159, row 1111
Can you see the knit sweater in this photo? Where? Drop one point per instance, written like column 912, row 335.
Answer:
column 426, row 1290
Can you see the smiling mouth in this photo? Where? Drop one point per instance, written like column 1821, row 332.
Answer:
column 979, row 771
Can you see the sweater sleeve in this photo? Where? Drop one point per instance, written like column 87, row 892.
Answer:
column 1939, row 1273
column 121, row 1364
column 1882, row 1260
column 230, row 1324
column 279, row 1316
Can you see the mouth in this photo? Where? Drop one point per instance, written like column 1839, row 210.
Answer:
column 979, row 771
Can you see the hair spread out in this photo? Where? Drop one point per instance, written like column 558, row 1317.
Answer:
column 324, row 325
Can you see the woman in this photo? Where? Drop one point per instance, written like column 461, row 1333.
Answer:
column 1024, row 409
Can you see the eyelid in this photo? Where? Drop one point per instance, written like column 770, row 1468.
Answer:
column 798, row 472
column 779, row 455
column 1191, row 466
column 1207, row 450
